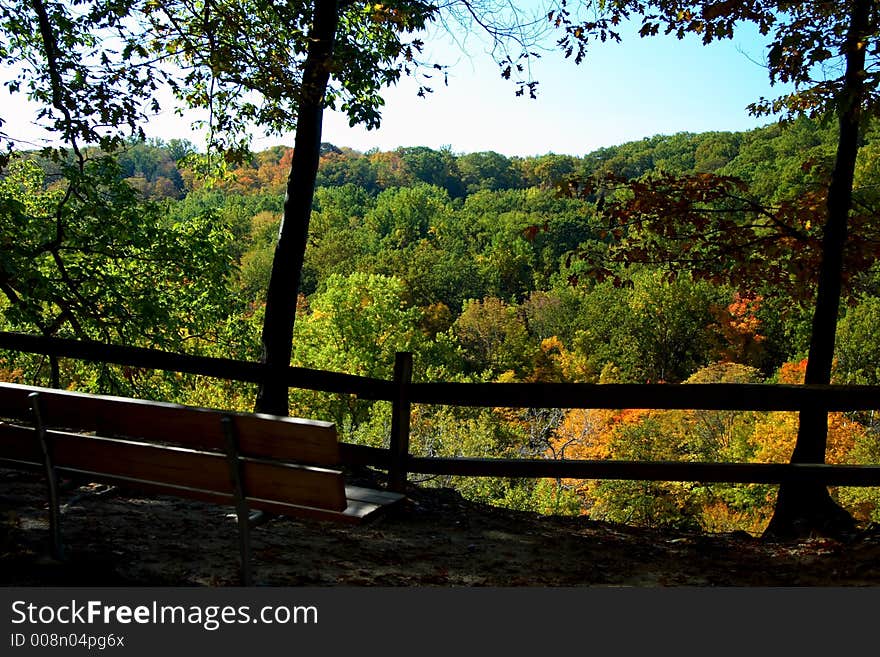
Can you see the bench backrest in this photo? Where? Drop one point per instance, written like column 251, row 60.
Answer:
column 285, row 462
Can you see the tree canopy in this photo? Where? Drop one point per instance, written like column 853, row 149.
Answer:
column 829, row 52
column 471, row 260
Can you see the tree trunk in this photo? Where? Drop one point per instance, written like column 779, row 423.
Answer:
column 805, row 509
column 292, row 236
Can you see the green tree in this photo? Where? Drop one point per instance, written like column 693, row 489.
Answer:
column 487, row 171
column 858, row 358
column 715, row 150
column 91, row 259
column 438, row 168
column 494, row 338
column 404, row 215
column 301, row 58
column 340, row 241
column 434, row 275
column 552, row 313
column 346, row 167
column 837, row 41
column 546, row 171
column 88, row 94
column 648, row 436
column 650, row 329
column 355, row 324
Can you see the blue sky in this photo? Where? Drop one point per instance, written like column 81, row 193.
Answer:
column 621, row 92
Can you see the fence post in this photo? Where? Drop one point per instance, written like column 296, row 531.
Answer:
column 400, row 419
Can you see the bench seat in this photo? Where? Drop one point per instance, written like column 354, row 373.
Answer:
column 281, row 465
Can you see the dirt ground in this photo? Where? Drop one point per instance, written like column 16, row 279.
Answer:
column 114, row 537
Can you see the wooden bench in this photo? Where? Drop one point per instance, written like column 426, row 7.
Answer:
column 280, row 465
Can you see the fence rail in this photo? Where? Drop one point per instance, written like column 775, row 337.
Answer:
column 705, row 396
column 751, row 473
column 403, row 393
column 218, row 368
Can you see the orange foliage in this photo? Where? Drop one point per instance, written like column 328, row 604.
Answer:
column 583, row 434
column 738, row 324
column 793, row 373
column 264, row 174
column 719, row 517
column 10, row 376
column 630, row 416
column 588, row 434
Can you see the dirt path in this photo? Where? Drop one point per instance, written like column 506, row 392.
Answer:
column 435, row 539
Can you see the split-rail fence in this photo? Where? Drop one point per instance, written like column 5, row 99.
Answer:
column 403, row 393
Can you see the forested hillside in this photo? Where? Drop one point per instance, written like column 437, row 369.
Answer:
column 487, row 268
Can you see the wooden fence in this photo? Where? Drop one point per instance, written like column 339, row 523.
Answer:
column 403, row 393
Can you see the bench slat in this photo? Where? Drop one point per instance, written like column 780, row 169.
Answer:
column 286, row 488
column 174, row 466
column 284, row 438
column 19, row 443
column 372, row 495
column 357, row 510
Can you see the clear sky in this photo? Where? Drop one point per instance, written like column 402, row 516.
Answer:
column 621, row 92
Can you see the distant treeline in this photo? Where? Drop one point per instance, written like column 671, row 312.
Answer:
column 159, row 169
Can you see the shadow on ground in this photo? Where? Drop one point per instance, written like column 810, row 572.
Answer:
column 114, row 537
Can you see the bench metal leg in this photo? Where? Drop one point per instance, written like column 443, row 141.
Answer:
column 242, row 512
column 51, row 478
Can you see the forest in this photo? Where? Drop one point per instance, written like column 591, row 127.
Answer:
column 487, row 268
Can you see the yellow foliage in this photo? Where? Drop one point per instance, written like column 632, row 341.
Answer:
column 776, row 433
column 719, row 517
column 11, row 376
column 508, row 376
column 555, row 363
column 546, row 367
column 583, row 434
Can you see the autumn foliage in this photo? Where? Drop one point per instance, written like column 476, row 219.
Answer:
column 652, row 435
column 717, row 228
column 739, row 327
column 472, row 263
